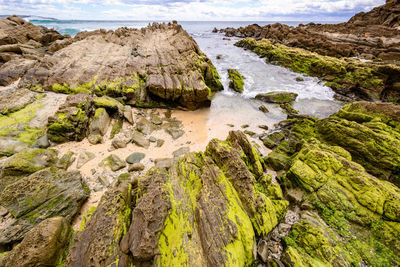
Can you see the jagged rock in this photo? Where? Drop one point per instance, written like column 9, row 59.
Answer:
column 122, row 139
column 114, row 162
column 160, row 142
column 277, row 97
column 95, row 139
column 11, row 100
column 140, row 140
column 128, row 114
column 66, row 160
column 262, row 250
column 273, row 140
column 71, row 120
column 204, row 209
column 84, row 158
column 110, row 104
column 98, row 243
column 155, row 119
column 135, row 157
column 131, row 67
column 42, row 195
column 136, row 167
column 22, row 44
column 236, row 80
column 100, row 122
column 42, row 246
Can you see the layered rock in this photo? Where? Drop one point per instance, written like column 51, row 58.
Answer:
column 371, row 35
column 201, row 209
column 157, row 65
column 39, row 196
column 22, row 44
column 349, row 77
column 350, row 186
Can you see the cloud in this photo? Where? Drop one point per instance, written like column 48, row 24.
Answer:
column 190, row 9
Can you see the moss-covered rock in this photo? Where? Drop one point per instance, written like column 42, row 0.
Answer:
column 44, row 194
column 346, row 76
column 236, row 80
column 205, row 209
column 98, row 243
column 71, row 121
column 277, row 97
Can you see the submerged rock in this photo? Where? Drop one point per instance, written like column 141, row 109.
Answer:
column 277, row 97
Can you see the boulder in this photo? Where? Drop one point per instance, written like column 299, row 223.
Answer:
column 100, row 122
column 122, row 139
column 140, row 140
column 84, row 158
column 43, row 245
column 66, row 160
column 39, row 196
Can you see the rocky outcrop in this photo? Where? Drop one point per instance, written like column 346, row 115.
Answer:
column 33, row 198
column 157, row 65
column 98, row 243
column 372, row 35
column 348, row 77
column 22, row 44
column 42, row 246
column 350, row 186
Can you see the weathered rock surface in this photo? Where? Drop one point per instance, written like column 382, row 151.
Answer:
column 344, row 168
column 98, row 243
column 157, row 65
column 39, row 196
column 370, row 35
column 71, row 121
column 22, row 44
column 42, row 246
column 100, row 122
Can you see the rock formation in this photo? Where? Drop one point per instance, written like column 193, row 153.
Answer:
column 372, row 35
column 157, row 65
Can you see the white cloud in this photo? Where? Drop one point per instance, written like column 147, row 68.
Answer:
column 188, row 9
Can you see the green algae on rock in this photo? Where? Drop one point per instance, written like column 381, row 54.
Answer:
column 41, row 195
column 236, row 80
column 277, row 97
column 348, row 77
column 362, row 209
column 98, row 242
column 71, row 121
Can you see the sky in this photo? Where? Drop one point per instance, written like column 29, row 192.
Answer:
column 191, row 10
